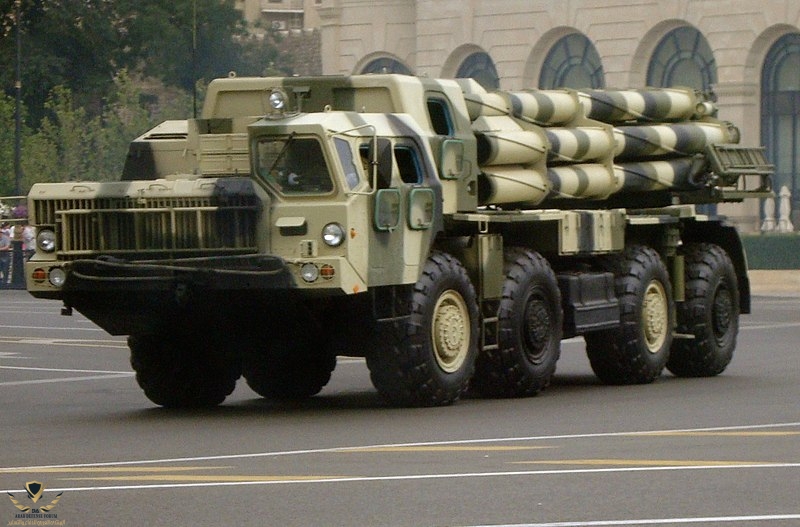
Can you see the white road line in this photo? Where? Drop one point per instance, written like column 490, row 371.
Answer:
column 102, row 375
column 397, row 445
column 51, row 328
column 63, row 370
column 658, row 521
column 772, row 326
column 418, row 477
column 67, row 379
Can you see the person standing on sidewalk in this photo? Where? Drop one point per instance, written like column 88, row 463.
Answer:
column 5, row 254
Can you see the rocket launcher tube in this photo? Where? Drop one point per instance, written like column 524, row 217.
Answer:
column 651, row 105
column 676, row 139
column 512, row 184
column 545, row 107
column 584, row 181
column 685, row 173
column 485, row 104
column 579, row 145
column 501, row 141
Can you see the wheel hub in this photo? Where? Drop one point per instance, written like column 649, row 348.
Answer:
column 722, row 312
column 450, row 331
column 537, row 329
column 655, row 316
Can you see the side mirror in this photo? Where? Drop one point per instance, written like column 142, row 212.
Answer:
column 380, row 152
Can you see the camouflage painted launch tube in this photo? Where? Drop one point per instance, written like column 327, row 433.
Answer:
column 677, row 139
column 652, row 105
column 545, row 107
column 686, row 173
column 579, row 145
column 512, row 184
column 584, row 181
column 485, row 104
column 501, row 141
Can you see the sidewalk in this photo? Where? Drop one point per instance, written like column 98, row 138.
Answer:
column 785, row 282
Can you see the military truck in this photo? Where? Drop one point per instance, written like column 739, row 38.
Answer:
column 450, row 235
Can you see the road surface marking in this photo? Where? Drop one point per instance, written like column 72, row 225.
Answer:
column 643, row 462
column 253, row 481
column 101, row 375
column 211, row 479
column 443, row 448
column 658, row 521
column 281, row 453
column 92, row 470
column 83, row 343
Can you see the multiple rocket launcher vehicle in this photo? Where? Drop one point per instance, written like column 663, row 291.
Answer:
column 449, row 234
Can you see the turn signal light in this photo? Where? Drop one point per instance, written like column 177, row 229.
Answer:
column 39, row 275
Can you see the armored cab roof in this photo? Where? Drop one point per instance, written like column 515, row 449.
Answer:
column 389, row 93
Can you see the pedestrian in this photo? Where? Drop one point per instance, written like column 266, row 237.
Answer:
column 28, row 241
column 5, row 253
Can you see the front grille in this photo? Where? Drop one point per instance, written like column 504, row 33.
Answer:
column 151, row 228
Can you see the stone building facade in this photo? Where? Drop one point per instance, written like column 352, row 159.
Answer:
column 746, row 52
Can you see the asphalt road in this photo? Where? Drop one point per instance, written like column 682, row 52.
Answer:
column 718, row 451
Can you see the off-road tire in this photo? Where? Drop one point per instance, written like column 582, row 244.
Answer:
column 293, row 366
column 637, row 351
column 428, row 358
column 710, row 312
column 529, row 330
column 179, row 371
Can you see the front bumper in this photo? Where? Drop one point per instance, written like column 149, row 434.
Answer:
column 139, row 297
column 219, row 273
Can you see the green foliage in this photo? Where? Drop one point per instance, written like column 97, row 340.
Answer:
column 98, row 73
column 6, row 146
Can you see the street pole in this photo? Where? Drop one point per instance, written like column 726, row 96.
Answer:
column 18, row 107
column 194, row 58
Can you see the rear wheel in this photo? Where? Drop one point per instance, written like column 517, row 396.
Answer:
column 710, row 313
column 529, row 330
column 183, row 371
column 429, row 357
column 637, row 351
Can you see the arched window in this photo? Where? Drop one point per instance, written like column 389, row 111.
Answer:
column 780, row 115
column 479, row 66
column 683, row 58
column 386, row 65
column 572, row 62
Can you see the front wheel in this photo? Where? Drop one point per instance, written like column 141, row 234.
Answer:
column 637, row 351
column 183, row 371
column 429, row 357
column 710, row 313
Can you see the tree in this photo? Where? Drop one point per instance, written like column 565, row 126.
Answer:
column 6, row 146
column 82, row 45
column 97, row 73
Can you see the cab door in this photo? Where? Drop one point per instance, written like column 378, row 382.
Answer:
column 407, row 214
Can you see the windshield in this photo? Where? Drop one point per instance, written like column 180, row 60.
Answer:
column 293, row 165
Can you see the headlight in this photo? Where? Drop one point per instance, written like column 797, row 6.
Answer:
column 46, row 240
column 57, row 276
column 333, row 234
column 309, row 272
column 277, row 100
